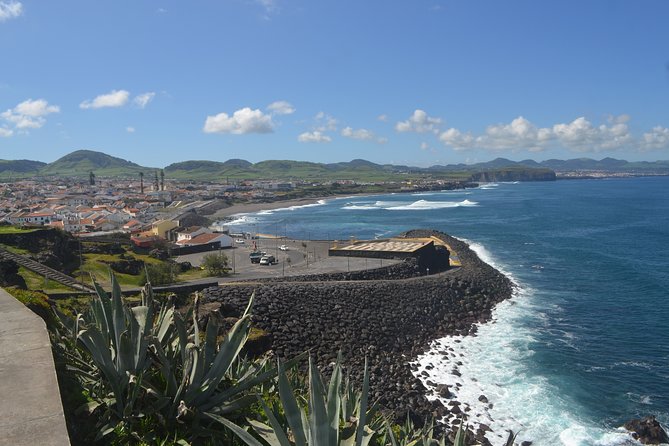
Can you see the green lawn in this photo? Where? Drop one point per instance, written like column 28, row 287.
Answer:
column 16, row 230
column 15, row 250
column 35, row 281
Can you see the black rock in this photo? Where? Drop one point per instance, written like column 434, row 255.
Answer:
column 647, row 430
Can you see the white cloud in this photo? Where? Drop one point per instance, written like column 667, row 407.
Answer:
column 419, row 122
column 241, row 122
column 269, row 6
column 382, row 118
column 315, row 136
column 281, row 108
column 325, row 122
column 130, row 129
column 456, row 139
column 5, row 132
column 115, row 98
column 10, row 10
column 142, row 100
column 424, row 146
column 656, row 139
column 519, row 134
column 362, row 135
column 581, row 136
column 29, row 114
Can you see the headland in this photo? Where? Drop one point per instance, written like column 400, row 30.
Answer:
column 389, row 319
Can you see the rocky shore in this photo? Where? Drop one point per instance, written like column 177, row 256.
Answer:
column 389, row 321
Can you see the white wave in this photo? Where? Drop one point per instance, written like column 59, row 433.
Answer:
column 425, row 205
column 486, row 186
column 302, row 206
column 496, row 363
column 241, row 219
column 359, row 207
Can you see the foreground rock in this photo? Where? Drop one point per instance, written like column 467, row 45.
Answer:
column 390, row 322
column 647, row 430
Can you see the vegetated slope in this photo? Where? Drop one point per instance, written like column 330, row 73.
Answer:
column 82, row 162
column 19, row 168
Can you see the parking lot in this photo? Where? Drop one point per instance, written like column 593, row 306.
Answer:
column 301, row 257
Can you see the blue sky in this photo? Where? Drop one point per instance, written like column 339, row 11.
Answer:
column 405, row 82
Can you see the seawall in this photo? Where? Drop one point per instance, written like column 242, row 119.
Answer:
column 388, row 321
column 31, row 412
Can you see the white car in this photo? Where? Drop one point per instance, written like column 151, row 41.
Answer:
column 283, row 248
column 239, row 241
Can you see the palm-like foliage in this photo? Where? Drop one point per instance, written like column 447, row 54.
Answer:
column 145, row 363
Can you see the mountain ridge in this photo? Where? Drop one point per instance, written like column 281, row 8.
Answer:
column 82, row 162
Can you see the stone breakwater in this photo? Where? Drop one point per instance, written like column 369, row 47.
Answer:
column 390, row 322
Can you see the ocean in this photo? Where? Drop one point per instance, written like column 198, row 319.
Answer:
column 584, row 344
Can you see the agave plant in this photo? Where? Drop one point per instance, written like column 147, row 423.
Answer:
column 143, row 363
column 338, row 417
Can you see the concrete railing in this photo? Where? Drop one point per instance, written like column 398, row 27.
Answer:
column 31, row 412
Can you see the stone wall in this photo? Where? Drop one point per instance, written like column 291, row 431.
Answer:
column 30, row 407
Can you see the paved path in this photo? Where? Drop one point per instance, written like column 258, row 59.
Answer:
column 31, row 412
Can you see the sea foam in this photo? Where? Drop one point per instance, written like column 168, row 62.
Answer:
column 496, row 363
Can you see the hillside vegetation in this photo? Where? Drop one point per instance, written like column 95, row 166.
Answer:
column 82, row 162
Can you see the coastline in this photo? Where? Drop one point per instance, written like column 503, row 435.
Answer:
column 391, row 322
column 252, row 207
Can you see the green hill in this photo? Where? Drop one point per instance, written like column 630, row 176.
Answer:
column 19, row 168
column 81, row 162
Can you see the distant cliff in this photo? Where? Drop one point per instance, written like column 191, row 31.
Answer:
column 514, row 174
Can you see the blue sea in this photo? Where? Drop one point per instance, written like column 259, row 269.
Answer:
column 584, row 344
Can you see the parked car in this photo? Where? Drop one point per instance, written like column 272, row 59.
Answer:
column 255, row 256
column 239, row 241
column 267, row 260
column 283, row 248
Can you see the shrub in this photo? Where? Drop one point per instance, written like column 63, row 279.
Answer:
column 216, row 264
column 159, row 274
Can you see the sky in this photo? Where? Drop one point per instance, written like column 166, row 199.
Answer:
column 418, row 82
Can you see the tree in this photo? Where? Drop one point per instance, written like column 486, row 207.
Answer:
column 216, row 264
column 91, row 178
column 162, row 179
column 155, row 182
column 141, row 182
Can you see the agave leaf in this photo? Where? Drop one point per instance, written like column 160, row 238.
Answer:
column 362, row 416
column 196, row 328
column 460, row 436
column 280, row 435
column 230, row 348
column 182, row 336
column 165, row 368
column 292, row 410
column 164, row 323
column 265, row 432
column 210, row 342
column 391, row 434
column 241, row 433
column 319, row 423
column 138, row 332
column 334, row 402
column 233, row 406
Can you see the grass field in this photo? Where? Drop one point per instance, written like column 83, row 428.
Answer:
column 35, row 281
column 16, row 230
